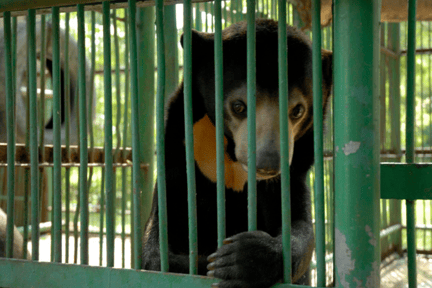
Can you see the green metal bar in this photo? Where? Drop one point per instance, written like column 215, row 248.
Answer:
column 101, row 216
column 220, row 149
column 284, row 141
column 10, row 118
column 171, row 51
column 146, row 100
column 356, row 140
column 198, row 22
column 117, row 83
column 251, row 121
column 135, row 136
column 67, row 132
column 56, row 135
column 70, row 276
column 125, row 131
column 410, row 144
column 109, row 177
column 33, row 133
column 83, row 136
column 190, row 161
column 318, row 139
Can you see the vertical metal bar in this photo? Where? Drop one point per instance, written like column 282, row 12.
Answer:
column 251, row 104
column 125, row 130
column 220, row 150
column 198, row 24
column 395, row 205
column 101, row 217
column 110, row 217
column 190, row 161
column 117, row 82
column 135, row 135
column 410, row 144
column 171, row 51
column 33, row 134
column 10, row 118
column 83, row 136
column 284, row 140
column 146, row 100
column 356, row 136
column 318, row 143
column 67, row 132
column 57, row 122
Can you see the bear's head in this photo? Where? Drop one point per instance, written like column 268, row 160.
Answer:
column 267, row 94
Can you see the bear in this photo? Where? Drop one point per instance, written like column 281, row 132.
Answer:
column 254, row 258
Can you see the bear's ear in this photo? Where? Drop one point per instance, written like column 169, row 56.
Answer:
column 327, row 67
column 200, row 39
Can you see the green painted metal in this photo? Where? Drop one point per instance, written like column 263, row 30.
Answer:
column 125, row 131
column 198, row 21
column 251, row 110
column 101, row 216
column 171, row 51
column 109, row 177
column 220, row 149
column 71, row 276
column 284, row 140
column 42, row 88
column 56, row 135
column 356, row 140
column 406, row 181
column 83, row 137
column 135, row 135
column 163, row 233
column 395, row 110
column 410, row 142
column 190, row 161
column 33, row 135
column 318, row 143
column 10, row 135
column 67, row 130
column 146, row 88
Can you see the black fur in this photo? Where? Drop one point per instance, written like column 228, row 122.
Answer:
column 248, row 259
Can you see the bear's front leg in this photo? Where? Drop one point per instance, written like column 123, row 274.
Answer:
column 249, row 259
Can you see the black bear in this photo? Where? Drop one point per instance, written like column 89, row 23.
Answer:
column 248, row 259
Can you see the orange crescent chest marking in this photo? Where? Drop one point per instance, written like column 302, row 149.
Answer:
column 205, row 156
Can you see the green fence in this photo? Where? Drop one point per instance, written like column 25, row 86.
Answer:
column 55, row 169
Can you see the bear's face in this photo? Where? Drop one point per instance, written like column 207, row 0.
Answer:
column 267, row 126
column 267, row 97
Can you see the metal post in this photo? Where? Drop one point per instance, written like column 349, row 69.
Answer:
column 356, row 134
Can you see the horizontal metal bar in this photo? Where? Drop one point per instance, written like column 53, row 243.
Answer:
column 390, row 230
column 72, row 165
column 418, row 51
column 23, row 157
column 44, row 274
column 406, row 181
column 19, row 7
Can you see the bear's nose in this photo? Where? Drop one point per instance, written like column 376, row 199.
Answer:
column 268, row 162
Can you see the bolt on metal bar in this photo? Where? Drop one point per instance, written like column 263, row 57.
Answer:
column 410, row 142
column 56, row 135
column 284, row 140
column 67, row 131
column 220, row 149
column 10, row 118
column 356, row 141
column 135, row 138
column 83, row 136
column 318, row 143
column 251, row 121
column 109, row 177
column 188, row 114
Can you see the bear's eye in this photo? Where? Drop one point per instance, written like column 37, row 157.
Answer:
column 297, row 112
column 239, row 107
